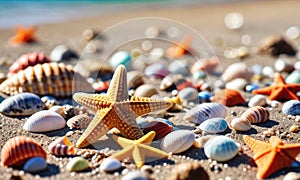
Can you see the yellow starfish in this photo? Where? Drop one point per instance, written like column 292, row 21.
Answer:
column 115, row 109
column 138, row 150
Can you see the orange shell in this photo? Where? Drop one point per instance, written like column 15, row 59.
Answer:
column 62, row 146
column 18, row 149
column 228, row 97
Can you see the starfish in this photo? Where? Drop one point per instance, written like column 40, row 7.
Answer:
column 273, row 156
column 115, row 109
column 280, row 90
column 23, row 35
column 138, row 150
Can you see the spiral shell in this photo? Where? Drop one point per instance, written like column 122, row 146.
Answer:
column 79, row 122
column 61, row 146
column 18, row 149
column 45, row 79
column 29, row 59
column 237, row 70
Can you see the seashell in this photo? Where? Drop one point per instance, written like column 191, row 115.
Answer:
column 283, row 65
column 161, row 129
column 35, row 165
column 294, row 77
column 157, row 70
column 135, row 175
column 201, row 141
column 177, row 141
column 291, row 107
column 79, row 122
column 45, row 79
column 145, row 90
column 134, row 79
column 19, row 149
column 239, row 124
column 209, row 65
column 61, row 146
column 110, row 165
column 256, row 114
column 179, row 67
column 205, row 111
column 189, row 94
column 188, row 170
column 29, row 59
column 62, row 52
column 258, row 100
column 23, row 104
column 174, row 81
column 77, row 164
column 121, row 57
column 221, row 148
column 49, row 101
column 228, row 97
column 213, row 125
column 237, row 70
column 291, row 176
column 44, row 121
column 67, row 111
column 237, row 84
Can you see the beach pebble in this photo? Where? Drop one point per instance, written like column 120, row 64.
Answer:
column 268, row 71
column 110, row 165
column 88, row 35
column 61, row 53
column 293, row 32
column 294, row 77
column 292, row 176
column 77, row 164
column 189, row 171
column 49, row 101
column 291, row 107
column 234, row 20
column 156, row 54
column 35, row 165
column 283, row 65
column 294, row 128
column 204, row 96
column 238, row 84
column 258, row 100
column 157, row 70
column 189, row 94
column 179, row 67
column 135, row 175
column 152, row 32
column 145, row 90
column 121, row 57
column 213, row 125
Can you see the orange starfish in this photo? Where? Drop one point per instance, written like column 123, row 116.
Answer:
column 273, row 156
column 23, row 35
column 280, row 90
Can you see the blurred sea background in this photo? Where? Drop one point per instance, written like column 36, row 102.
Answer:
column 34, row 12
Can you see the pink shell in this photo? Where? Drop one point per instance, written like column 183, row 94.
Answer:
column 61, row 146
column 19, row 149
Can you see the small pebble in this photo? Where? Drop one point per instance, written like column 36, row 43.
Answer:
column 294, row 129
column 292, row 176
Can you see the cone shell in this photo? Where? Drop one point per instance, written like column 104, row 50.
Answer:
column 79, row 122
column 18, row 149
column 228, row 97
column 237, row 70
column 256, row 114
column 61, row 146
column 45, row 79
column 161, row 129
column 44, row 121
column 205, row 111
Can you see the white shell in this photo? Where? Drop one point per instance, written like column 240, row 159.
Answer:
column 237, row 84
column 145, row 90
column 291, row 107
column 205, row 111
column 177, row 141
column 283, row 65
column 240, row 124
column 237, row 70
column 110, row 164
column 189, row 94
column 44, row 121
column 201, row 141
column 258, row 100
column 35, row 164
column 214, row 125
column 135, row 175
column 221, row 148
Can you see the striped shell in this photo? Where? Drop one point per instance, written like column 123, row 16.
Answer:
column 18, row 149
column 61, row 146
column 29, row 59
column 23, row 104
column 228, row 97
column 221, row 148
column 237, row 70
column 44, row 121
column 79, row 122
column 45, row 79
column 213, row 125
column 205, row 111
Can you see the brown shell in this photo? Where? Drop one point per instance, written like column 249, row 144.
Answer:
column 229, row 97
column 61, row 146
column 45, row 79
column 256, row 114
column 161, row 129
column 18, row 149
column 79, row 122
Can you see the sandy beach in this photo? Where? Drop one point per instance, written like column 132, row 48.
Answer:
column 261, row 19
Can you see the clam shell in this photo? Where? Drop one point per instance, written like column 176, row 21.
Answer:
column 19, row 149
column 228, row 97
column 189, row 94
column 221, row 148
column 258, row 100
column 77, row 164
column 45, row 79
column 256, row 114
column 177, row 141
column 35, row 165
column 291, row 107
column 214, row 125
column 161, row 129
column 205, row 111
column 79, row 122
column 240, row 124
column 44, row 121
column 134, row 79
column 61, row 146
column 145, row 90
column 110, row 164
column 237, row 70
column 23, row 104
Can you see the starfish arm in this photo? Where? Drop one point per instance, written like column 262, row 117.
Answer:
column 265, row 91
column 153, row 152
column 291, row 150
column 123, row 142
column 259, row 148
column 92, row 101
column 138, row 157
column 278, row 79
column 282, row 94
column 265, row 165
column 147, row 139
column 293, row 87
column 117, row 90
column 124, row 153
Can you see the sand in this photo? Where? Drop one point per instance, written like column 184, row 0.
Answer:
column 261, row 19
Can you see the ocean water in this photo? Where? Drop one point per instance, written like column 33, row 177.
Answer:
column 34, row 12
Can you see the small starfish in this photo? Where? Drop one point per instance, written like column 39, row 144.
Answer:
column 116, row 110
column 280, row 90
column 273, row 156
column 23, row 35
column 138, row 150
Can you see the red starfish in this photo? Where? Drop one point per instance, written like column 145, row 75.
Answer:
column 280, row 90
column 23, row 35
column 273, row 156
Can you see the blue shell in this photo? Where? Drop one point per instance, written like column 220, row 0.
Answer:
column 35, row 165
column 214, row 125
column 22, row 104
column 121, row 57
column 221, row 148
column 204, row 95
column 291, row 107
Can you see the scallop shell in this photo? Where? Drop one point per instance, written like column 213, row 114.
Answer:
column 256, row 114
column 205, row 111
column 177, row 141
column 291, row 107
column 110, row 165
column 44, row 121
column 145, row 90
column 79, row 122
column 23, row 104
column 35, row 165
column 61, row 146
column 258, row 100
column 45, row 79
column 29, row 59
column 237, row 70
column 161, row 129
column 134, row 79
column 213, row 125
column 221, row 148
column 77, row 164
column 18, row 149
column 228, row 97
